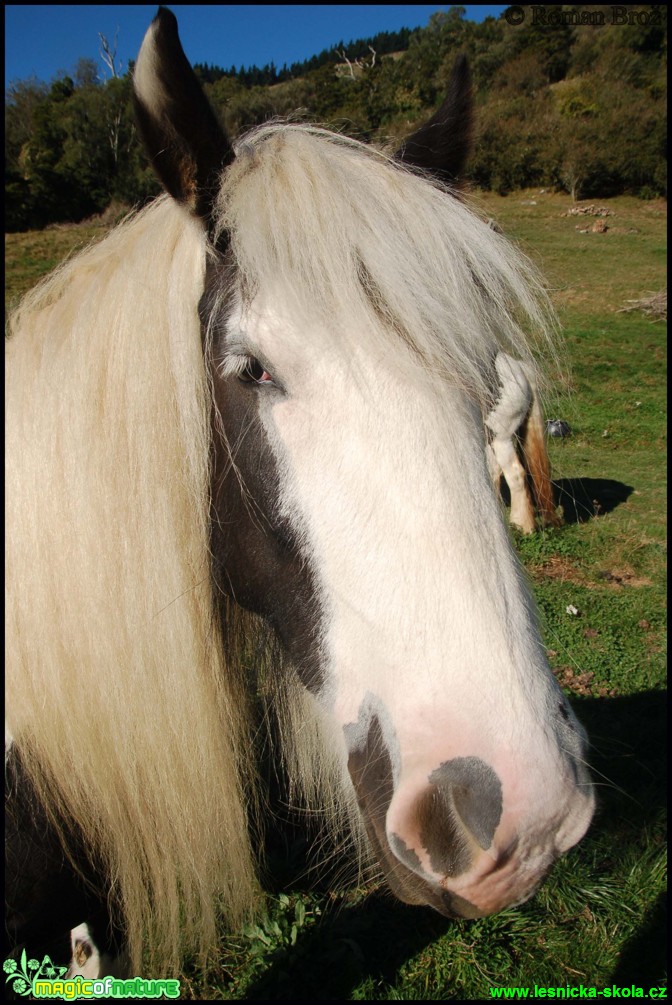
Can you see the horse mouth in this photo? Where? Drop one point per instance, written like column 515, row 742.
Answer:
column 370, row 770
column 410, row 888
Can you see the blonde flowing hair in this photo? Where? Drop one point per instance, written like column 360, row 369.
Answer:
column 128, row 717
column 131, row 720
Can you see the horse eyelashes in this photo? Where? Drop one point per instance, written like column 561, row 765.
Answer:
column 248, row 369
column 253, row 372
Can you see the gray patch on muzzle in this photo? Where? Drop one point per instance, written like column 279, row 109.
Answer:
column 358, row 737
column 468, row 788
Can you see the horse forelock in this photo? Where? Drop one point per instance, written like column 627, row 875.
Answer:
column 343, row 233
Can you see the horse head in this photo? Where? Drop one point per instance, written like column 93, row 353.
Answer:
column 351, row 503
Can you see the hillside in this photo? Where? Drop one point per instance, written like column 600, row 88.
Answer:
column 574, row 107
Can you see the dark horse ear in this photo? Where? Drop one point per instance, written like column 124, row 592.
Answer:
column 443, row 144
column 182, row 136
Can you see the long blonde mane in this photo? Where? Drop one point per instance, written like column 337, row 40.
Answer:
column 120, row 699
column 130, row 718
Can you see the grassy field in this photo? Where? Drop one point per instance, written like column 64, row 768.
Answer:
column 599, row 920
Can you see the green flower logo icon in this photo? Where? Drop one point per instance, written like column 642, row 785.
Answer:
column 21, row 974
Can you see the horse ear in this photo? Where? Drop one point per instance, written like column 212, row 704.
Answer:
column 180, row 131
column 443, row 144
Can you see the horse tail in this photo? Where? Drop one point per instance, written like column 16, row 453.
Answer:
column 537, row 461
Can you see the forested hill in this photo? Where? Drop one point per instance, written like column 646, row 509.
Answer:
column 381, row 44
column 572, row 98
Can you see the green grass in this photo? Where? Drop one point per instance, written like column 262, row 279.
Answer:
column 599, row 919
column 33, row 254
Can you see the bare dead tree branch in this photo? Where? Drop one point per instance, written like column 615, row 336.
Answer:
column 360, row 62
column 107, row 53
column 341, row 53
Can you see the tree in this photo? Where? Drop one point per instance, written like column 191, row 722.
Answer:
column 21, row 100
column 108, row 53
column 86, row 73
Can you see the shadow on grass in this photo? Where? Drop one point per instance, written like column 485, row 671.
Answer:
column 643, row 959
column 628, row 737
column 585, row 498
column 370, row 941
column 582, row 499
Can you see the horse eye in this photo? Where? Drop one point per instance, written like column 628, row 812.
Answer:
column 254, row 373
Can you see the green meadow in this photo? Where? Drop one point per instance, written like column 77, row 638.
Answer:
column 599, row 920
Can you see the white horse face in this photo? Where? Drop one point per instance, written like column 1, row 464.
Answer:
column 370, row 535
column 467, row 761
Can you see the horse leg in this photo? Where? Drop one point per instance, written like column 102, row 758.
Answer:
column 508, row 415
column 46, row 896
column 522, row 509
column 89, row 959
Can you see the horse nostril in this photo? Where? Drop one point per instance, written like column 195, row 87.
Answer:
column 441, row 833
column 462, row 806
column 476, row 794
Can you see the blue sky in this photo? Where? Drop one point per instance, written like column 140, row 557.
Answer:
column 42, row 40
